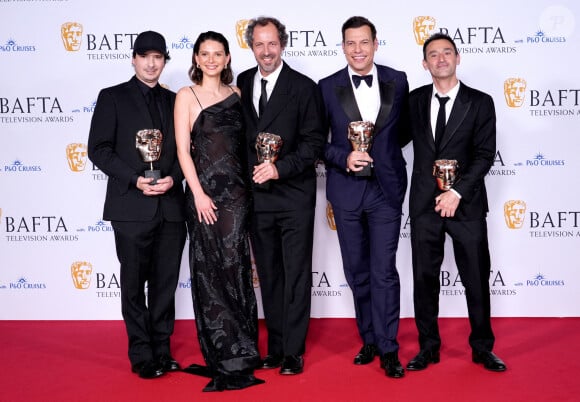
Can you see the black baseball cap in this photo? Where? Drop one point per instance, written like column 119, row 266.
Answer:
column 150, row 40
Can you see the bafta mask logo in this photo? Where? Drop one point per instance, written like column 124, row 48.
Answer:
column 71, row 34
column 330, row 216
column 76, row 156
column 241, row 27
column 81, row 274
column 514, row 90
column 514, row 212
column 423, row 27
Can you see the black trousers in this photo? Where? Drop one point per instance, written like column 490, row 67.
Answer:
column 150, row 257
column 470, row 247
column 282, row 246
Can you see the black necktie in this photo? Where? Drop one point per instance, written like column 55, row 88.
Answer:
column 440, row 125
column 153, row 100
column 263, row 98
column 356, row 79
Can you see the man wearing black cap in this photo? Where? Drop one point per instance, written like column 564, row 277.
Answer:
column 148, row 219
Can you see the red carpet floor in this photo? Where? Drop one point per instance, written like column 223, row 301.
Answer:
column 86, row 361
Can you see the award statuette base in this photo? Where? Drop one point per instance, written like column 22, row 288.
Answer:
column 155, row 174
column 366, row 171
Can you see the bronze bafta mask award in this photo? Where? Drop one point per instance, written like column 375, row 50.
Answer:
column 267, row 149
column 445, row 172
column 360, row 135
column 148, row 142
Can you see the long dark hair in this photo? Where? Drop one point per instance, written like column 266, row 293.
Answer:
column 195, row 73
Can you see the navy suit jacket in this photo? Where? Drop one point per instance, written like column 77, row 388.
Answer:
column 294, row 112
column 120, row 112
column 469, row 138
column 345, row 190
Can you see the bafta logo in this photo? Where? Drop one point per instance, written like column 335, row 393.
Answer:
column 330, row 216
column 514, row 90
column 514, row 212
column 71, row 34
column 81, row 274
column 76, row 156
column 423, row 27
column 241, row 26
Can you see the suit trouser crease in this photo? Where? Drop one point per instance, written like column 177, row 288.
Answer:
column 369, row 238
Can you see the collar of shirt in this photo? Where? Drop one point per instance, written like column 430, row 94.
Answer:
column 271, row 78
column 452, row 94
column 368, row 99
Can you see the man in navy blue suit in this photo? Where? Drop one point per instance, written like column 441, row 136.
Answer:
column 368, row 209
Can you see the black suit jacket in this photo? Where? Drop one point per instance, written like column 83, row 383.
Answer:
column 120, row 112
column 469, row 138
column 294, row 113
column 391, row 132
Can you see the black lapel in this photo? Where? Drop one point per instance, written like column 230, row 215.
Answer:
column 278, row 99
column 345, row 96
column 387, row 91
column 460, row 109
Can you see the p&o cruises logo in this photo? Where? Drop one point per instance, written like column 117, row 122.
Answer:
column 23, row 284
column 21, row 168
column 12, row 46
column 556, row 24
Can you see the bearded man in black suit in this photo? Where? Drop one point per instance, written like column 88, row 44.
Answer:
column 279, row 100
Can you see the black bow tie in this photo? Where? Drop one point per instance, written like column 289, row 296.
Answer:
column 356, row 79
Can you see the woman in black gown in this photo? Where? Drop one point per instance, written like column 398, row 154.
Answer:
column 209, row 134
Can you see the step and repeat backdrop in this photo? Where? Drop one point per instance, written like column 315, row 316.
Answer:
column 57, row 255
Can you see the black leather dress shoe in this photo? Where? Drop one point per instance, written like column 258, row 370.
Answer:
column 148, row 369
column 272, row 361
column 490, row 361
column 292, row 365
column 168, row 363
column 422, row 360
column 366, row 354
column 393, row 367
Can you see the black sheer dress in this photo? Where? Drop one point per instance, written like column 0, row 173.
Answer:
column 221, row 275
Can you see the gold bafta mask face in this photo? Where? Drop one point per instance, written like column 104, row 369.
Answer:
column 514, row 90
column 330, row 216
column 423, row 27
column 148, row 142
column 76, row 156
column 514, row 212
column 81, row 274
column 71, row 34
column 241, row 26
